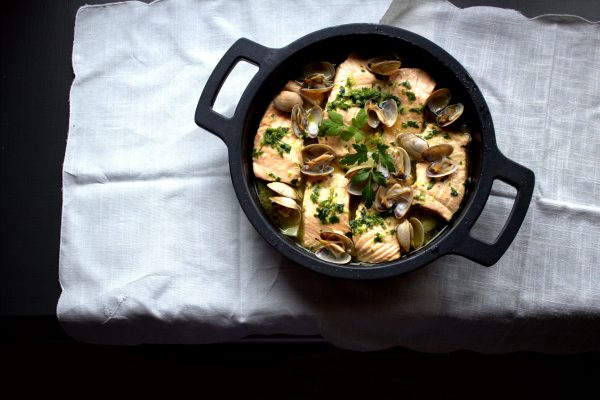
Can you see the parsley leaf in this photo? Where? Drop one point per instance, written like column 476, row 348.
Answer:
column 361, row 155
column 367, row 194
column 384, row 158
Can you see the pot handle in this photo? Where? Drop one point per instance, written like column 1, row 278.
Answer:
column 523, row 180
column 206, row 117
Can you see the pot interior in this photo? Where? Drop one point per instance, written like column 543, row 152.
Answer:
column 335, row 50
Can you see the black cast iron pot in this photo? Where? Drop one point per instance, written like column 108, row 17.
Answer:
column 277, row 66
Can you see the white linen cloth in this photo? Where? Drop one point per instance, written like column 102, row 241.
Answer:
column 155, row 248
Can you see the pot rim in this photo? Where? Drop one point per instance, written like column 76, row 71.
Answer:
column 455, row 239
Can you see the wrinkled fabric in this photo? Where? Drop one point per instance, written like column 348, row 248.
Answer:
column 155, row 248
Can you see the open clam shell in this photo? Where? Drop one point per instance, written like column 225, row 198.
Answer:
column 417, row 237
column 299, row 120
column 385, row 112
column 316, row 159
column 384, row 65
column 450, row 114
column 337, row 248
column 289, row 212
column 283, row 189
column 314, row 117
column 403, row 234
column 442, row 167
column 438, row 100
column 401, row 161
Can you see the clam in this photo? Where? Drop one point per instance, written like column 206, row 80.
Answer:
column 437, row 152
column 317, row 159
column 410, row 234
column 288, row 210
column 438, row 100
column 356, row 188
column 337, row 248
column 450, row 114
column 444, row 166
column 385, row 112
column 317, row 77
column 413, row 144
column 397, row 196
column 403, row 234
column 385, row 65
column 314, row 117
column 401, row 161
column 417, row 237
column 283, row 189
column 286, row 100
column 306, row 123
column 310, row 98
column 298, row 120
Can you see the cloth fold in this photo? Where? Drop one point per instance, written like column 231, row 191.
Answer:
column 155, row 248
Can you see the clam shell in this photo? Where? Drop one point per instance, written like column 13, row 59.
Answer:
column 314, row 117
column 384, row 65
column 298, row 120
column 339, row 238
column 326, row 255
column 288, row 210
column 413, row 144
column 417, row 237
column 401, row 161
column 437, row 152
column 283, row 189
column 385, row 112
column 286, row 100
column 438, row 100
column 450, row 114
column 443, row 167
column 403, row 235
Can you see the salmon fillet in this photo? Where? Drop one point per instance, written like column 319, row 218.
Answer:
column 412, row 86
column 319, row 196
column 277, row 162
column 443, row 196
column 351, row 73
column 374, row 237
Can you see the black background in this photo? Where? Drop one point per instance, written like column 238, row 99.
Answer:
column 36, row 75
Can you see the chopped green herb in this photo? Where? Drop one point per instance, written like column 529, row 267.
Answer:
column 401, row 110
column 349, row 82
column 358, row 97
column 446, row 136
column 275, row 178
column 406, row 84
column 410, row 95
column 453, row 192
column 431, row 134
column 294, row 181
column 420, row 197
column 273, row 138
column 256, row 153
column 392, row 232
column 364, row 222
column 430, row 185
column 411, row 124
column 378, row 238
column 417, row 110
column 328, row 210
column 314, row 196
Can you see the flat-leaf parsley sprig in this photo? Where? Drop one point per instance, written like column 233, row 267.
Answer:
column 334, row 126
column 370, row 174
